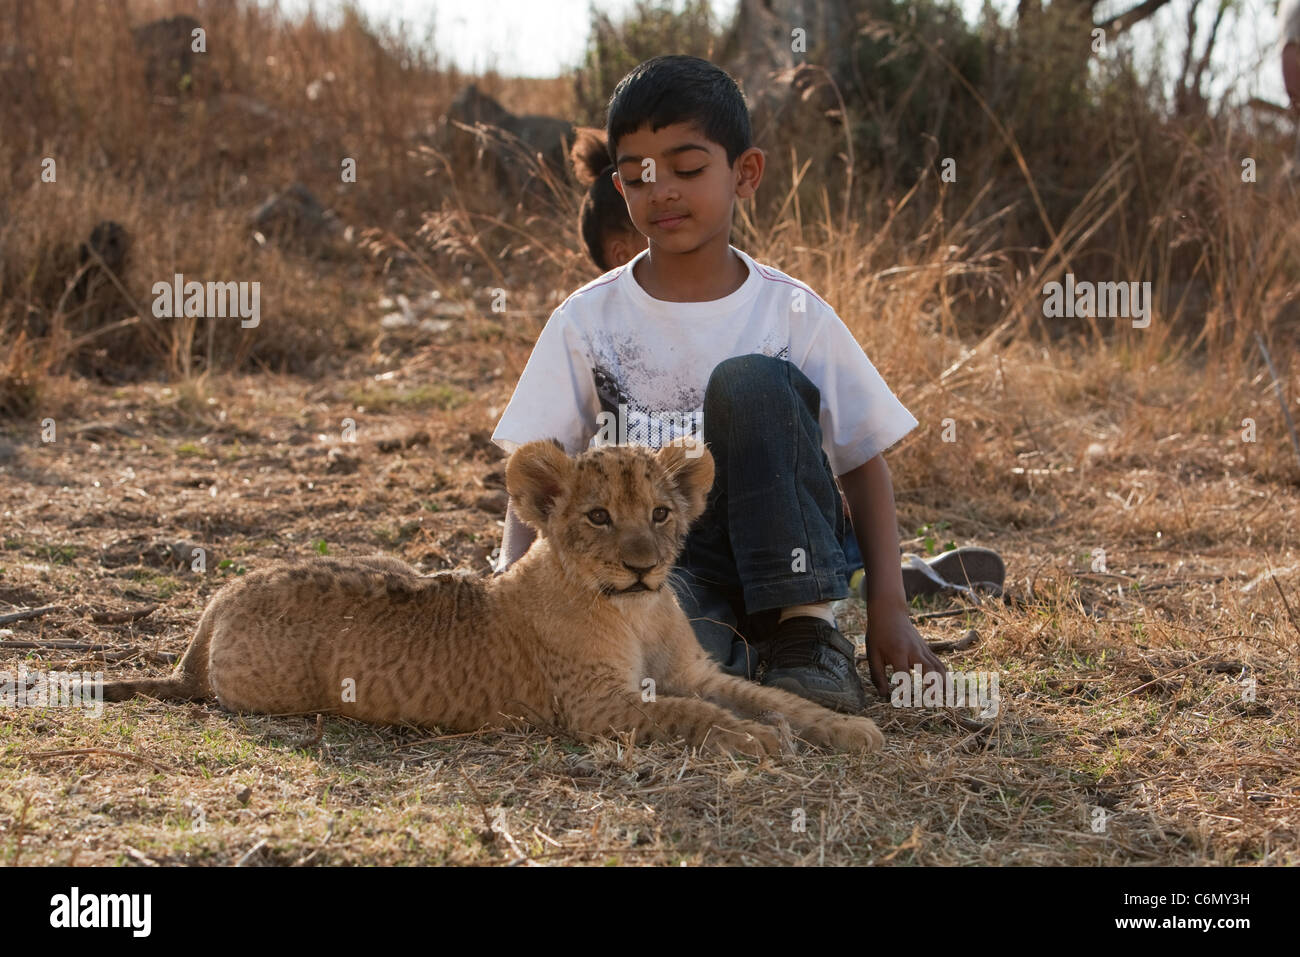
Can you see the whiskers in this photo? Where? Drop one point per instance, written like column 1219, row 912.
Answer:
column 676, row 579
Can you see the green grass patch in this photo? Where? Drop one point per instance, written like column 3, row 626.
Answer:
column 387, row 398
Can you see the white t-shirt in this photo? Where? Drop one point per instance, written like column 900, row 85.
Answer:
column 612, row 344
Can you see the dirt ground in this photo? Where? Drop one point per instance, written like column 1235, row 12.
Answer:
column 1147, row 712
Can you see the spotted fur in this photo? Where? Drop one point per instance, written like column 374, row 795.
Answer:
column 582, row 634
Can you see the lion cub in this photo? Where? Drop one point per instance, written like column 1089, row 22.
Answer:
column 582, row 633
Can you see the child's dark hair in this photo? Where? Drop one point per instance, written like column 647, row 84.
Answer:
column 680, row 89
column 603, row 211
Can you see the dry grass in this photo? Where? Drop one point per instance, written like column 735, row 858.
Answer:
column 1121, row 688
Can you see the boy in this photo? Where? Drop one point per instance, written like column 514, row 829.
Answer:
column 693, row 335
column 611, row 240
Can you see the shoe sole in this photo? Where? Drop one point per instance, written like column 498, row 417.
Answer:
column 969, row 565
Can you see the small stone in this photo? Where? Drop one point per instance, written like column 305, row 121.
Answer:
column 340, row 463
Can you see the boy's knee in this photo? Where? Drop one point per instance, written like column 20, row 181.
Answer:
column 744, row 382
column 745, row 373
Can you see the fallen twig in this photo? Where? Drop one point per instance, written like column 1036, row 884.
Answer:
column 930, row 615
column 960, row 644
column 27, row 613
column 487, row 818
column 141, row 856
column 1286, row 604
column 57, row 644
column 248, row 856
column 125, row 654
column 107, row 653
column 1158, row 679
column 317, row 733
column 71, row 752
column 121, row 617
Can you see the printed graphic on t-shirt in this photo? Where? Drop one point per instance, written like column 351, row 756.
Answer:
column 627, row 418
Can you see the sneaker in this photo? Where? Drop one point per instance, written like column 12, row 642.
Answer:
column 809, row 657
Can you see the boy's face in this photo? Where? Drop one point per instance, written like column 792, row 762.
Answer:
column 679, row 187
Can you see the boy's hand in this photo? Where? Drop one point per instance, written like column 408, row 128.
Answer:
column 893, row 640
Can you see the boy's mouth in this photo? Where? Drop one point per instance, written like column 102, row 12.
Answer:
column 668, row 220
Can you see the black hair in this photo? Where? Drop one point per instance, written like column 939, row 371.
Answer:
column 603, row 211
column 680, row 89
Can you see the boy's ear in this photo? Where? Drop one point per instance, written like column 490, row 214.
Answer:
column 690, row 468
column 618, row 183
column 749, row 172
column 537, row 474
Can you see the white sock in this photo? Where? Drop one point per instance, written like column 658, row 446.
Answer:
column 820, row 610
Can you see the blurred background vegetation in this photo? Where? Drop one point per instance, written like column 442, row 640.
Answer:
column 1067, row 157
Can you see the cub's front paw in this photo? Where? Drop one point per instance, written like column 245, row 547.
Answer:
column 748, row 737
column 847, row 734
column 775, row 719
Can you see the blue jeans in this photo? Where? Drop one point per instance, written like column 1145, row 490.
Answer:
column 772, row 529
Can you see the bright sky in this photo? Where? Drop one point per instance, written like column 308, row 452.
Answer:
column 546, row 37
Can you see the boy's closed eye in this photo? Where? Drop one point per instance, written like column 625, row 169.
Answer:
column 687, row 173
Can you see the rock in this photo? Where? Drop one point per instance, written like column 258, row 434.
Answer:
column 167, row 48
column 183, row 554
column 511, row 145
column 294, row 214
column 105, row 248
column 394, row 444
column 471, row 105
column 340, row 463
column 109, row 240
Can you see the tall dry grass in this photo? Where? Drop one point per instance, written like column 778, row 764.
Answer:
column 937, row 278
column 273, row 103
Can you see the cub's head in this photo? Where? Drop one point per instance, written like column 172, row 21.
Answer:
column 616, row 516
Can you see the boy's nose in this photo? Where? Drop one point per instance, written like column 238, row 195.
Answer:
column 662, row 193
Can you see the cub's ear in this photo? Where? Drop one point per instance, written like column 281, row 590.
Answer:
column 537, row 474
column 690, row 467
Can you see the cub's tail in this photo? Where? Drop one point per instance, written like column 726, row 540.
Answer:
column 188, row 682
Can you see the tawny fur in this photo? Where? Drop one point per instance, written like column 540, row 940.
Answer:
column 553, row 642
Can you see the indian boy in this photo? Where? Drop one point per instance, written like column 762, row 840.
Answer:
column 693, row 338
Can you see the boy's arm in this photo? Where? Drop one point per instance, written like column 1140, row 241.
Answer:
column 892, row 639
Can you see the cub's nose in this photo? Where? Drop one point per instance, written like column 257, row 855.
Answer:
column 638, row 570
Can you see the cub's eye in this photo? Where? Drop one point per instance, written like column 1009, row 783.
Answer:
column 598, row 516
column 660, row 514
